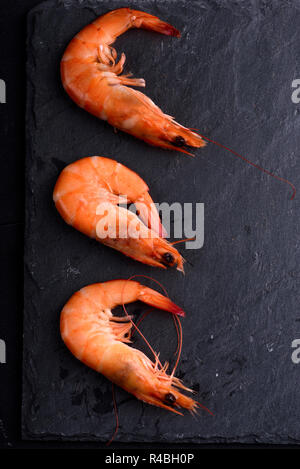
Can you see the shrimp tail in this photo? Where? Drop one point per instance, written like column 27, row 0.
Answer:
column 153, row 298
column 146, row 21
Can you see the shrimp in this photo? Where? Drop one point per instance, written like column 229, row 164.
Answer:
column 87, row 194
column 99, row 339
column 91, row 77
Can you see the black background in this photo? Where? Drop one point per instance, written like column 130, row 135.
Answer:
column 12, row 71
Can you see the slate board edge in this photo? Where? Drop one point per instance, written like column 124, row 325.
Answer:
column 28, row 158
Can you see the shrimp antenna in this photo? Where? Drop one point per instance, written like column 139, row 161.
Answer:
column 141, row 319
column 189, row 262
column 178, row 330
column 133, row 323
column 204, row 408
column 116, row 415
column 179, row 339
column 178, row 336
column 183, row 240
column 179, row 346
column 279, row 178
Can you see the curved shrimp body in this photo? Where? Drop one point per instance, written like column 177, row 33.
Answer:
column 87, row 195
column 91, row 77
column 99, row 339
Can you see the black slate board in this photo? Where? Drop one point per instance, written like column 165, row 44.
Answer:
column 230, row 76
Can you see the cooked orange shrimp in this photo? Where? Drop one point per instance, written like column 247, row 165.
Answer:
column 91, row 77
column 87, row 194
column 99, row 339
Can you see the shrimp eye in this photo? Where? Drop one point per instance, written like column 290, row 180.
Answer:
column 179, row 141
column 170, row 398
column 168, row 257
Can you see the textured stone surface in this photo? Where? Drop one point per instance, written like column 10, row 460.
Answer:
column 229, row 75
